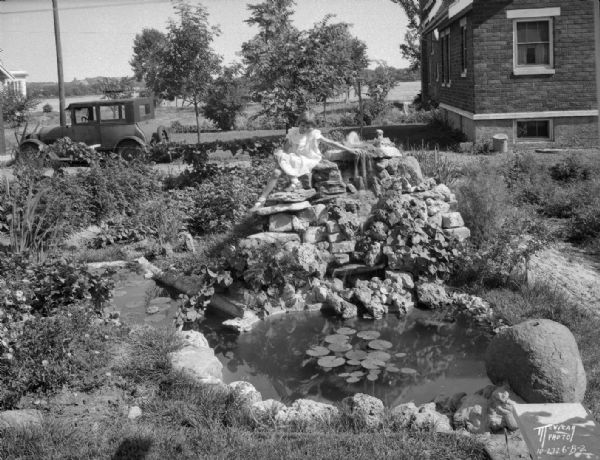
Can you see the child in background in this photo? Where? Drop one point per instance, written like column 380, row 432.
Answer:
column 299, row 156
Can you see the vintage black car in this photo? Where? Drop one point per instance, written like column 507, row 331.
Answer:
column 108, row 125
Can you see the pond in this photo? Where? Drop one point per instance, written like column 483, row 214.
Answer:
column 396, row 360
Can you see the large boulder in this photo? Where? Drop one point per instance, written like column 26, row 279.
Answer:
column 540, row 360
column 364, row 410
column 307, row 414
column 197, row 359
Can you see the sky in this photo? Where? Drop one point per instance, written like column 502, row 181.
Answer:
column 97, row 35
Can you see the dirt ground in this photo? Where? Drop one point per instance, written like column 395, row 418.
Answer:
column 570, row 270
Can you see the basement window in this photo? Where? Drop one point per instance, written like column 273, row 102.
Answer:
column 534, row 130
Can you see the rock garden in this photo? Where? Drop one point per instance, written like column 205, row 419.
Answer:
column 359, row 304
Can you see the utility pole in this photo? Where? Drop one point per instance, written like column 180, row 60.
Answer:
column 59, row 64
column 2, row 140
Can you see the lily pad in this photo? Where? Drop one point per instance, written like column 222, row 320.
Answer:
column 353, row 379
column 336, row 338
column 380, row 344
column 392, row 368
column 380, row 355
column 400, row 355
column 372, row 377
column 353, row 362
column 368, row 335
column 357, row 374
column 372, row 364
column 356, row 354
column 331, row 361
column 345, row 375
column 408, row 371
column 317, row 351
column 345, row 331
column 339, row 347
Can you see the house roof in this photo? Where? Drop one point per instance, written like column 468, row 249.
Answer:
column 443, row 12
column 5, row 74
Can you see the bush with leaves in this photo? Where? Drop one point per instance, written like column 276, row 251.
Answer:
column 47, row 108
column 225, row 98
column 75, row 151
column 398, row 231
column 48, row 353
column 207, row 281
column 16, row 107
column 570, row 169
column 223, row 199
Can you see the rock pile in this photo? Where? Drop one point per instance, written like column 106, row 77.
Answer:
column 407, row 233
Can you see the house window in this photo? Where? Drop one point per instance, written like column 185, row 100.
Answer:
column 534, row 129
column 463, row 49
column 533, row 40
column 445, row 42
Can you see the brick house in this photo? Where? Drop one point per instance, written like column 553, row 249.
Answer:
column 524, row 68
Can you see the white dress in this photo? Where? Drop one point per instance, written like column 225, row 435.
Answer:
column 304, row 155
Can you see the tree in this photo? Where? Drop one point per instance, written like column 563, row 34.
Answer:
column 289, row 68
column 186, row 63
column 411, row 48
column 334, row 59
column 225, row 98
column 272, row 59
column 147, row 46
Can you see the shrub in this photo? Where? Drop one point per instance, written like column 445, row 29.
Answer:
column 225, row 99
column 16, row 107
column 49, row 353
column 75, row 151
column 570, row 169
column 47, row 108
column 223, row 199
column 436, row 165
column 483, row 201
column 584, row 225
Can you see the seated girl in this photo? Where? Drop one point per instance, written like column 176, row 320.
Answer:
column 299, row 156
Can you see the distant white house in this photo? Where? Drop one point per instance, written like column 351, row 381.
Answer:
column 14, row 80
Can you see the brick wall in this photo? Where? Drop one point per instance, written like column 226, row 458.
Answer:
column 460, row 92
column 572, row 87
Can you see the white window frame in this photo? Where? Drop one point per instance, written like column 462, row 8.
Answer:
column 463, row 46
column 534, row 139
column 533, row 15
column 445, row 43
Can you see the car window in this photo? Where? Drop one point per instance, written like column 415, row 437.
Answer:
column 145, row 111
column 112, row 113
column 83, row 115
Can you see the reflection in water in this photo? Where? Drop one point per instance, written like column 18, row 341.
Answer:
column 273, row 358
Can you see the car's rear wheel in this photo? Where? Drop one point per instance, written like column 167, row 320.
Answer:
column 130, row 150
column 31, row 152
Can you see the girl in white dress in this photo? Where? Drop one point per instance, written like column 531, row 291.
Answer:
column 299, row 156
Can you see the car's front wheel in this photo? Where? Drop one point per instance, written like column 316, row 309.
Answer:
column 130, row 150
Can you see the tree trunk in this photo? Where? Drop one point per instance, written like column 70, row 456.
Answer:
column 360, row 107
column 197, row 112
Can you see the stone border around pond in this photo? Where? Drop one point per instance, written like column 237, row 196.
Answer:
column 487, row 410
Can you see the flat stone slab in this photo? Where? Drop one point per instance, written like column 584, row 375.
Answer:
column 355, row 269
column 291, row 197
column 509, row 447
column 276, row 237
column 286, row 207
column 563, row 430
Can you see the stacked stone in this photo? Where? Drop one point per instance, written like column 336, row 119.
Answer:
column 327, row 180
column 289, row 215
column 441, row 209
column 380, row 297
